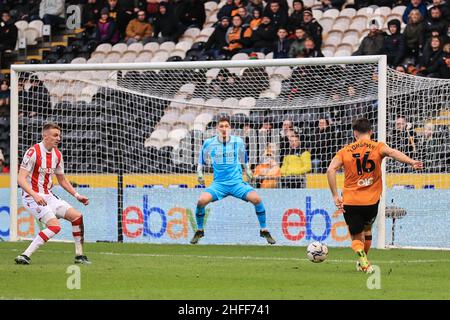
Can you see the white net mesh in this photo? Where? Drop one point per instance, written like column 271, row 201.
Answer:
column 132, row 139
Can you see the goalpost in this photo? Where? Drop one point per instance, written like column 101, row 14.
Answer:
column 131, row 135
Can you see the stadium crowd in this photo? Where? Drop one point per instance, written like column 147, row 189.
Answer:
column 417, row 44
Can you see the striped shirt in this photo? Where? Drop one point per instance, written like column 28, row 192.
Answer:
column 42, row 164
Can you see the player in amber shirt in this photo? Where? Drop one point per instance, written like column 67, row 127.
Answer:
column 362, row 185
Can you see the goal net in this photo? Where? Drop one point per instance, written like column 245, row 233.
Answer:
column 132, row 135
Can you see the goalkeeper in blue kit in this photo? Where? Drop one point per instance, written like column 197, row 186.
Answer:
column 227, row 155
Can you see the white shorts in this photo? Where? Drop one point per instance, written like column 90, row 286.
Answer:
column 55, row 208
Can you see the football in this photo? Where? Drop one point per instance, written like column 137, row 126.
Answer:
column 317, row 252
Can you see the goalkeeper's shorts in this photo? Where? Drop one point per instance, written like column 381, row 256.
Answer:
column 238, row 190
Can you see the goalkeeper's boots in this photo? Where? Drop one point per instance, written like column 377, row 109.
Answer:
column 363, row 263
column 22, row 259
column 82, row 260
column 266, row 234
column 198, row 234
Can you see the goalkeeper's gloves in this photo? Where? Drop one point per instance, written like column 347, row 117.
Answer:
column 200, row 178
column 249, row 174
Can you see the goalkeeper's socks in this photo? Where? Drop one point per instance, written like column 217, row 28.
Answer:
column 367, row 243
column 78, row 235
column 200, row 217
column 261, row 214
column 41, row 238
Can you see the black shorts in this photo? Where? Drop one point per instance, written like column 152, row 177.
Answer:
column 358, row 217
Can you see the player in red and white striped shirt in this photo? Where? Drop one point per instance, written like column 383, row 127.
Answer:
column 35, row 178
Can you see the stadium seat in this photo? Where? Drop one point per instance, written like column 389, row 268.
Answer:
column 359, row 22
column 334, row 38
column 169, row 118
column 119, row 48
column 210, row 6
column 366, row 11
column 269, row 55
column 347, row 12
column 160, row 56
column 317, row 14
column 187, row 88
column 230, row 103
column 282, row 73
column 31, row 36
column 167, row 46
column 398, row 10
column 78, row 60
column 38, row 25
column 341, row 24
column 178, row 134
column 331, row 13
column 211, row 74
column 326, row 24
column 383, row 11
column 152, row 46
column 135, row 47
column 191, row 34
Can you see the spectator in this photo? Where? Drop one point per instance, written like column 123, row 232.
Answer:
column 246, row 18
column 267, row 172
column 119, row 15
column 443, row 5
column 444, row 71
column 52, row 12
column 283, row 4
column 217, row 40
column 394, row 44
column 435, row 22
column 3, row 167
column 255, row 4
column 325, row 5
column 139, row 29
column 264, row 36
column 266, row 127
column 400, row 68
column 312, row 27
column 152, row 9
column 296, row 18
column 310, row 50
column 431, row 149
column 403, row 138
column 107, row 29
column 287, row 130
column 431, row 59
column 237, row 4
column 415, row 5
column 298, row 45
column 282, row 45
column 35, row 100
column 295, row 164
column 25, row 10
column 254, row 24
column 192, row 13
column 226, row 10
column 4, row 98
column 414, row 34
column 91, row 14
column 372, row 44
column 8, row 33
column 277, row 16
column 234, row 37
column 323, row 145
column 166, row 25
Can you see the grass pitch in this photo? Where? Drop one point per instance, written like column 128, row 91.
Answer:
column 178, row 272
